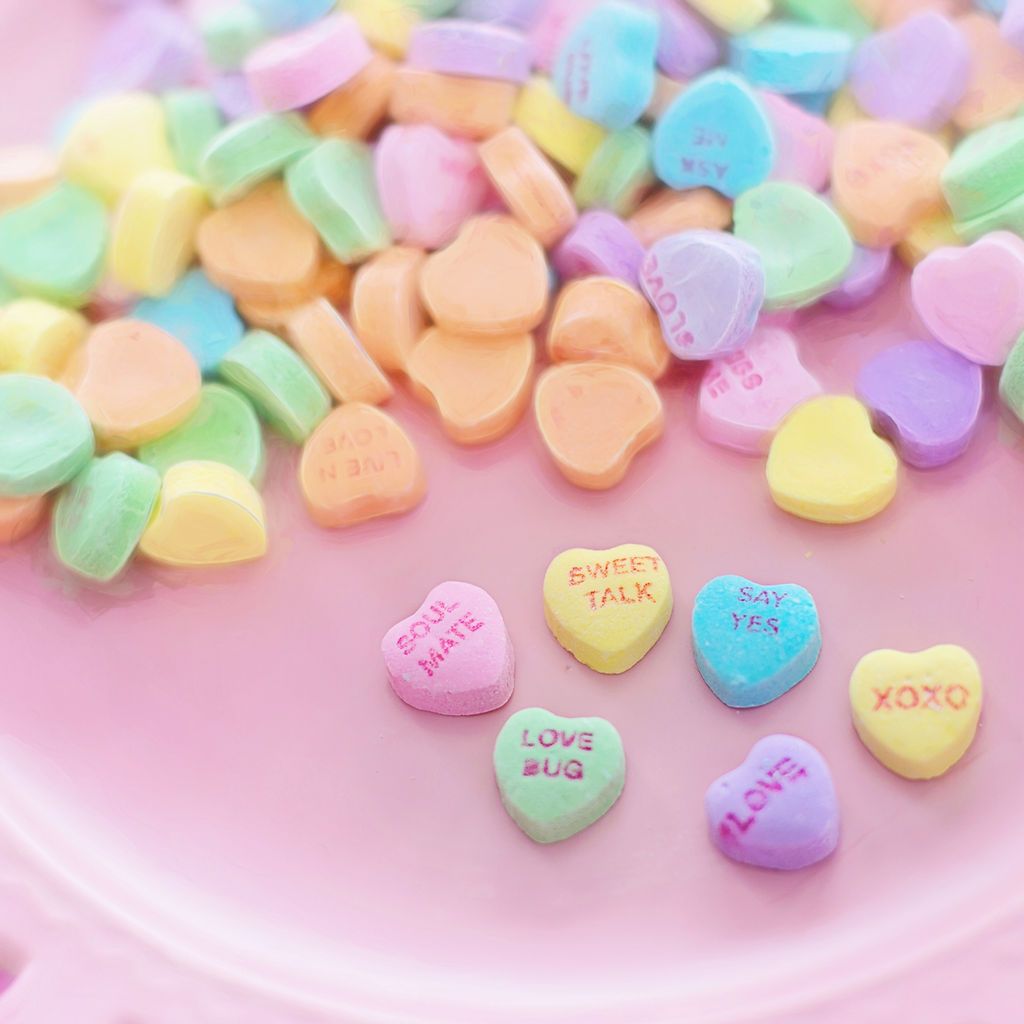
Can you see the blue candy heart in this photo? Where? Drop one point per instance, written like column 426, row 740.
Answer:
column 752, row 642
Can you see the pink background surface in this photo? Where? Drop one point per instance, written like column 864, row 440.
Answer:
column 211, row 777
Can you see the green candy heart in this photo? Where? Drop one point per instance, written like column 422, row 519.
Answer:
column 45, row 436
column 986, row 171
column 230, row 34
column 805, row 247
column 557, row 775
column 99, row 519
column 193, row 121
column 284, row 390
column 838, row 14
column 335, row 189
column 252, row 151
column 54, row 247
column 618, row 173
column 223, row 429
column 1011, row 380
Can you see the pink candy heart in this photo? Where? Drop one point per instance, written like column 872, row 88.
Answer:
column 972, row 299
column 454, row 655
column 745, row 396
column 803, row 143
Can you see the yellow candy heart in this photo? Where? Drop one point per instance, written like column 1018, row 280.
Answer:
column 826, row 464
column 608, row 608
column 208, row 514
column 917, row 713
column 38, row 337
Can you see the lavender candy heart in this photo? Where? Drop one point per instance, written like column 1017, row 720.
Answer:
column 864, row 277
column 233, row 95
column 687, row 46
column 470, row 48
column 519, row 14
column 708, row 288
column 776, row 810
column 925, row 398
column 599, row 244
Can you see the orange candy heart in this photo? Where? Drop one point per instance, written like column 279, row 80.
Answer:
column 594, row 418
column 359, row 464
column 669, row 212
column 492, row 280
column 886, row 178
column 480, row 386
column 333, row 282
column 135, row 382
column 474, row 108
column 995, row 89
column 605, row 319
column 20, row 516
column 355, row 110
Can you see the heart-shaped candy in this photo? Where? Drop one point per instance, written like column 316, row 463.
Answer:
column 917, row 713
column 804, row 142
column 865, row 275
column 972, row 299
column 608, row 608
column 714, row 133
column 594, row 418
column 805, row 247
column 925, row 397
column 826, row 464
column 746, row 395
column 454, row 655
column 557, row 775
column 776, row 810
column 752, row 642
column 708, row 288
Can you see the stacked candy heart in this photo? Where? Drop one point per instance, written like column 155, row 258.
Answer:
column 916, row 713
column 267, row 212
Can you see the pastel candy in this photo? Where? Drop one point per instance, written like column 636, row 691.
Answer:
column 333, row 282
column 135, row 381
column 885, row 177
column 20, row 516
column 387, row 311
column 563, row 135
column 207, row 514
column 386, row 24
column 1011, row 381
column 193, row 121
column 283, row 389
column 669, row 212
column 986, row 171
column 804, row 143
column 926, row 236
column 428, row 183
column 26, row 172
column 605, row 67
column 55, row 246
column 557, row 776
column 893, row 75
column 476, row 49
column 492, row 280
column 600, row 243
column 594, row 418
column 867, row 272
column 473, row 108
column 453, row 656
column 1011, row 25
column 791, row 57
column 995, row 89
column 520, row 14
column 45, row 436
column 38, row 337
column 358, row 465
column 972, row 299
column 744, row 396
column 826, row 465
column 251, row 151
column 152, row 240
column 551, row 27
column 734, row 15
column 708, row 288
column 925, row 398
column 686, row 45
column 292, row 71
column 618, row 174
column 754, row 642
column 224, row 428
column 480, row 386
column 200, row 315
column 607, row 320
column 233, row 95
column 917, row 713
column 285, row 15
column 334, row 189
column 776, row 810
column 99, row 518
column 230, row 33
column 846, row 15
column 355, row 109
column 715, row 134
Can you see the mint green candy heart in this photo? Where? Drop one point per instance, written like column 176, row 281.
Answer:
column 805, row 247
column 986, row 170
column 45, row 436
column 1011, row 380
column 557, row 775
column 838, row 14
column 284, row 390
column 55, row 246
column 193, row 121
column 230, row 34
column 335, row 189
column 8, row 293
column 252, row 151
column 618, row 173
column 100, row 517
column 224, row 428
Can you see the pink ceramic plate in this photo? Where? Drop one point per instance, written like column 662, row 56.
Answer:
column 213, row 808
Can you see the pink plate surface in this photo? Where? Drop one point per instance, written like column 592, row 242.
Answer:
column 212, row 807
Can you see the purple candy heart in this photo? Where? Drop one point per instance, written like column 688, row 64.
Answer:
column 916, row 72
column 471, row 48
column 687, row 47
column 778, row 809
column 1012, row 24
column 708, row 288
column 599, row 243
column 865, row 275
column 519, row 14
column 925, row 398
